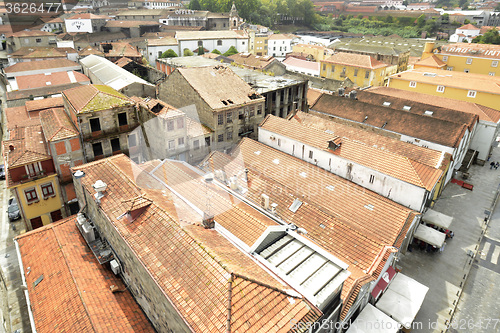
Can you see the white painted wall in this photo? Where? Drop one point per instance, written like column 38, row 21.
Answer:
column 484, row 137
column 241, row 44
column 404, row 193
column 79, row 25
column 153, row 52
column 279, row 47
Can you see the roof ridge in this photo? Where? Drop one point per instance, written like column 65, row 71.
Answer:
column 412, row 164
column 43, row 228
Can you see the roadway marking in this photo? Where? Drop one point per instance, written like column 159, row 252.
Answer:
column 496, row 253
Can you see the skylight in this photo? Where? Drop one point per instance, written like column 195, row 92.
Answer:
column 406, row 108
column 386, row 104
column 429, row 113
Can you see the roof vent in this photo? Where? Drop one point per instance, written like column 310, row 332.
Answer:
column 11, row 147
column 366, row 118
column 264, row 201
column 428, row 113
column 384, row 124
column 334, row 143
column 295, row 205
column 100, row 188
column 406, row 108
column 274, row 207
column 430, row 74
column 386, row 104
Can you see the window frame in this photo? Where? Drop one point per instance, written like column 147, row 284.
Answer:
column 468, row 61
column 112, row 142
column 120, row 121
column 93, row 149
column 98, row 123
column 440, row 89
column 30, row 191
column 50, row 193
column 413, row 84
column 494, row 63
column 472, row 93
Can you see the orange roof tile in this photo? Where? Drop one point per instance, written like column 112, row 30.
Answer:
column 386, row 162
column 468, row 27
column 427, row 156
column 29, row 146
column 483, row 112
column 253, row 61
column 472, row 50
column 30, row 33
column 39, row 65
column 18, row 117
column 50, row 79
column 123, row 50
column 56, row 125
column 355, row 60
column 42, row 104
column 167, row 234
column 432, row 61
column 95, row 97
column 74, row 293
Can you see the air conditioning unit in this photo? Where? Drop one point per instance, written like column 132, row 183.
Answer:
column 115, row 266
column 273, row 208
column 88, row 232
column 264, row 201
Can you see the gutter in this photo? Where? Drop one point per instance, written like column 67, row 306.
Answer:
column 24, row 287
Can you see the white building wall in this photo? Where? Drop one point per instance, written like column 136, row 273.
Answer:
column 210, row 44
column 279, row 47
column 302, row 70
column 154, row 50
column 404, row 193
column 80, row 25
column 484, row 138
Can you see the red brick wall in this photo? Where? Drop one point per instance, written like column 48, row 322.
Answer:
column 60, row 148
column 75, row 144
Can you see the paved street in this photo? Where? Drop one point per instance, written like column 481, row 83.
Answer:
column 446, row 273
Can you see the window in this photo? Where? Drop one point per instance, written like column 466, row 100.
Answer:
column 207, row 141
column 445, row 58
column 440, row 89
column 122, row 119
column 180, row 141
column 279, row 142
column 372, row 178
column 494, row 63
column 259, row 109
column 471, row 93
column 95, row 124
column 343, row 72
column 170, row 125
column 220, row 138
column 132, row 140
column 180, row 123
column 220, row 119
column 200, row 43
column 252, row 113
column 229, row 117
column 219, row 42
column 241, row 114
column 355, row 72
column 413, row 84
column 38, row 40
column 310, row 154
column 333, row 69
column 196, row 144
column 466, row 70
column 491, row 73
column 31, row 195
column 367, row 74
column 449, row 68
column 115, row 144
column 171, row 144
column 33, row 169
column 47, row 190
column 229, row 136
column 468, row 61
column 324, row 67
column 97, row 149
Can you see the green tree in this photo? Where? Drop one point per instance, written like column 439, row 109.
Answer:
column 466, row 21
column 169, row 54
column 421, row 21
column 360, row 16
column 497, row 8
column 232, row 50
column 194, row 5
column 201, row 50
column 490, row 37
column 187, row 52
column 216, row 51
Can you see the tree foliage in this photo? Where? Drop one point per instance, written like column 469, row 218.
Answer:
column 187, row 52
column 216, row 51
column 490, row 37
column 169, row 54
column 232, row 50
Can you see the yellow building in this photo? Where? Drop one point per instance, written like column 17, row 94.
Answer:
column 467, row 58
column 261, row 41
column 31, row 176
column 318, row 53
column 362, row 70
column 475, row 88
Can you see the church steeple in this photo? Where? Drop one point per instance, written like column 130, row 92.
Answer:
column 234, row 11
column 234, row 18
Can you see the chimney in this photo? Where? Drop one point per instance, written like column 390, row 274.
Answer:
column 273, row 208
column 100, row 188
column 11, row 148
column 208, row 221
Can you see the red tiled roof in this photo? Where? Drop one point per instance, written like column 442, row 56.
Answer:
column 74, row 294
column 19, row 117
column 167, row 235
column 356, row 60
column 56, row 125
column 468, row 27
column 88, row 16
column 32, row 33
column 388, row 163
column 42, row 104
column 95, row 97
column 123, row 61
column 41, row 64
column 253, row 61
column 90, row 50
column 123, row 50
column 50, row 79
column 432, row 61
column 472, row 50
column 29, row 146
column 484, row 112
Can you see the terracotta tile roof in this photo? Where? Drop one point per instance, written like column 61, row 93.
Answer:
column 56, row 125
column 468, row 81
column 468, row 27
column 221, row 34
column 123, row 50
column 472, row 50
column 32, row 33
column 42, row 104
column 95, row 97
column 355, row 60
column 386, row 162
column 74, row 294
column 166, row 111
column 432, row 61
column 427, row 156
column 42, row 52
column 50, row 79
column 281, row 36
column 19, row 117
column 218, row 84
column 40, row 92
column 167, row 234
column 195, row 128
column 485, row 113
column 41, row 64
column 162, row 41
column 420, row 107
column 313, row 95
column 123, row 61
column 251, row 60
column 397, row 121
column 29, row 146
column 309, row 65
column 90, row 50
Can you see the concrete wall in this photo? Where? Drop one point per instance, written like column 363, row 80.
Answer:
column 484, row 138
column 404, row 193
